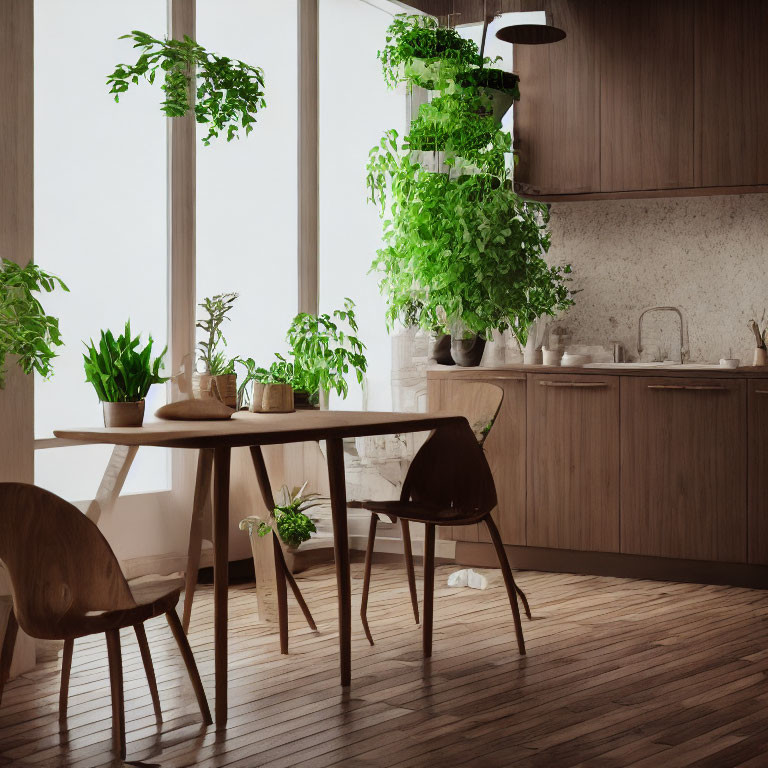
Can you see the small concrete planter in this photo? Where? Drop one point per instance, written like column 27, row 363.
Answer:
column 272, row 398
column 123, row 414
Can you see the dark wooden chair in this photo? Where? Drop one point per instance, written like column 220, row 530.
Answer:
column 448, row 483
column 67, row 584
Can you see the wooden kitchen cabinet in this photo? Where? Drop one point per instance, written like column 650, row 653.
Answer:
column 646, row 94
column 683, row 468
column 505, row 450
column 573, row 462
column 757, row 470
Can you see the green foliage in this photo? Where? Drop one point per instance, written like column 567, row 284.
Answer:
column 118, row 370
column 229, row 92
column 216, row 308
column 290, row 517
column 25, row 329
column 413, row 38
column 324, row 353
column 462, row 254
column 280, row 372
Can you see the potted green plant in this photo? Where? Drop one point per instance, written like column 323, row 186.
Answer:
column 229, row 93
column 420, row 52
column 218, row 378
column 25, row 329
column 272, row 390
column 122, row 374
column 292, row 524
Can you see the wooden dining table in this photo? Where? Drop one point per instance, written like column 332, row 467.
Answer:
column 257, row 429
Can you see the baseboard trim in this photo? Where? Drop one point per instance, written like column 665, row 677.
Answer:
column 482, row 554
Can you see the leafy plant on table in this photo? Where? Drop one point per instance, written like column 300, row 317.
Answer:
column 280, row 372
column 411, row 38
column 229, row 92
column 216, row 309
column 25, row 328
column 293, row 524
column 324, row 353
column 119, row 371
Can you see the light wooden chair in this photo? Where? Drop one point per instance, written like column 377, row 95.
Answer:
column 67, row 584
column 426, row 498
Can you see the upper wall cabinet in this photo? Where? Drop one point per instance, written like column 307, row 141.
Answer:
column 557, row 120
column 643, row 98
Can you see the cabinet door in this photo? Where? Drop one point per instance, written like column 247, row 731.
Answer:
column 557, row 120
column 573, row 462
column 683, row 468
column 505, row 450
column 757, row 468
column 646, row 94
column 731, row 83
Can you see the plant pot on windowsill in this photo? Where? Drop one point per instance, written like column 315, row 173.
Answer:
column 223, row 387
column 123, row 414
column 272, row 398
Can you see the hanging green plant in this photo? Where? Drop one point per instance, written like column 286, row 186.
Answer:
column 229, row 93
column 421, row 52
column 25, row 328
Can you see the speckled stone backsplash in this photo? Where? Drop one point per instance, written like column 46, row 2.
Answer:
column 706, row 255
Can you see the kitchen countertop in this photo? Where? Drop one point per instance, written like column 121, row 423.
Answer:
column 688, row 370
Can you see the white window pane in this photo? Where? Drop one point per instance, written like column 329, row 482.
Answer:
column 356, row 108
column 100, row 213
column 246, row 189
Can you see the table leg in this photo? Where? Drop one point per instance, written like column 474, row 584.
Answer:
column 112, row 482
column 221, row 461
column 335, row 452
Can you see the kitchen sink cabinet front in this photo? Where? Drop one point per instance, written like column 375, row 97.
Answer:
column 684, row 468
column 757, row 468
column 573, row 462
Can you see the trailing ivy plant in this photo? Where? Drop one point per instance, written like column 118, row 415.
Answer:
column 420, row 52
column 25, row 328
column 216, row 309
column 118, row 370
column 229, row 92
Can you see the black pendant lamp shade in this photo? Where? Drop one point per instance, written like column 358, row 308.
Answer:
column 532, row 34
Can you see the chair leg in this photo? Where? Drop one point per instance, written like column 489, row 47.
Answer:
column 297, row 594
column 146, row 658
column 367, row 575
column 429, row 587
column 189, row 662
column 408, row 554
column 6, row 652
column 66, row 667
column 509, row 580
column 116, row 684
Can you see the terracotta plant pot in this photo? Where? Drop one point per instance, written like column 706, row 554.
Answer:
column 467, row 352
column 272, row 398
column 222, row 387
column 123, row 414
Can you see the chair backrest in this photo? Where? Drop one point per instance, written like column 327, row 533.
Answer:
column 450, row 471
column 60, row 565
column 479, row 402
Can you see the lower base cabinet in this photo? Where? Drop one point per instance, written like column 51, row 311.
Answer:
column 684, row 468
column 757, row 462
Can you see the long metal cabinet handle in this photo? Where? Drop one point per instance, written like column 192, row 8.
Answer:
column 688, row 387
column 574, row 384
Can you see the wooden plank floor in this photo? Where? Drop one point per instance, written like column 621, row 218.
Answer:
column 618, row 673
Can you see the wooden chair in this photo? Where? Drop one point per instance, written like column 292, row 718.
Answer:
column 67, row 584
column 425, row 499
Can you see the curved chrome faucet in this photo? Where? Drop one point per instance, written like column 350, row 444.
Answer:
column 683, row 330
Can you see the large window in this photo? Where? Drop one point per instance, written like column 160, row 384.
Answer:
column 355, row 109
column 100, row 219
column 246, row 190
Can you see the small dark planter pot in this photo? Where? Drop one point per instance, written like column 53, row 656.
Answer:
column 441, row 351
column 301, row 402
column 467, row 352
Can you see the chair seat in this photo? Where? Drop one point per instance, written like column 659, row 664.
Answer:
column 421, row 512
column 153, row 597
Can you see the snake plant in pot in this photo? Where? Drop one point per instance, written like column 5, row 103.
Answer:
column 218, row 378
column 122, row 374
